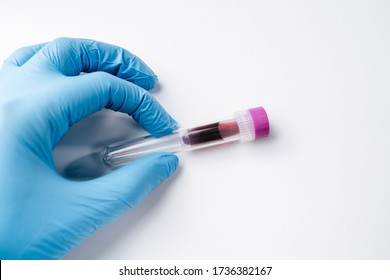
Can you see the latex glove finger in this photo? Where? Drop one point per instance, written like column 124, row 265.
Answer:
column 106, row 198
column 90, row 93
column 22, row 55
column 72, row 56
column 91, row 205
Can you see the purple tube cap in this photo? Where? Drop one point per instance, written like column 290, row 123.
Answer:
column 260, row 122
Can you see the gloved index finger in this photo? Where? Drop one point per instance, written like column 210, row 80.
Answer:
column 73, row 56
column 86, row 94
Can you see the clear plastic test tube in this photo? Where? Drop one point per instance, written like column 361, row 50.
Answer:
column 245, row 126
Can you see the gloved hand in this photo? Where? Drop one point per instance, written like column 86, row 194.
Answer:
column 43, row 215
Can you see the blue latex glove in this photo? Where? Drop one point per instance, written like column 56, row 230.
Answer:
column 43, row 215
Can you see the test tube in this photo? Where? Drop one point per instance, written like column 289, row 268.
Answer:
column 246, row 125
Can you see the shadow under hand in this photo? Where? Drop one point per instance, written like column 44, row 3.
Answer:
column 87, row 167
column 77, row 156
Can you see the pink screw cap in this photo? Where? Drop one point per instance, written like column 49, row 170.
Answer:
column 260, row 122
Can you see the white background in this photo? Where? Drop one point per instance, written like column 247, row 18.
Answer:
column 318, row 188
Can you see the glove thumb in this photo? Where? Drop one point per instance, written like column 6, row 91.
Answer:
column 125, row 187
column 97, row 202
